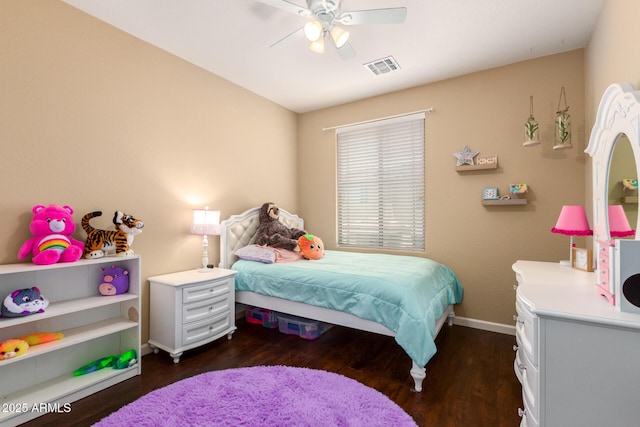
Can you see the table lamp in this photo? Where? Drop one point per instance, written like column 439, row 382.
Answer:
column 572, row 222
column 205, row 223
column 618, row 223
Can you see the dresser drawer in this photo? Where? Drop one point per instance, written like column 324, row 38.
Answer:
column 208, row 329
column 207, row 290
column 204, row 309
column 526, row 330
column 529, row 378
column 528, row 419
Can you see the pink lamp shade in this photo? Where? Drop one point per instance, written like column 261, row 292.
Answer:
column 618, row 223
column 573, row 222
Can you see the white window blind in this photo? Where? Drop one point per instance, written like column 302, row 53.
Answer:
column 381, row 184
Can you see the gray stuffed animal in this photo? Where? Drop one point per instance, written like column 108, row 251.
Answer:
column 272, row 232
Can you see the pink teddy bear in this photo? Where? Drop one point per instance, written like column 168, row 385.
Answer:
column 52, row 227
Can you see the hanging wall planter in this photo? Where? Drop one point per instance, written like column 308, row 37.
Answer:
column 562, row 125
column 531, row 135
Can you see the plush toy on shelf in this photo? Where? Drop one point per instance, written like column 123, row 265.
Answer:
column 52, row 227
column 96, row 365
column 115, row 281
column 13, row 348
column 23, row 302
column 123, row 361
column 272, row 232
column 311, row 247
column 100, row 242
column 41, row 337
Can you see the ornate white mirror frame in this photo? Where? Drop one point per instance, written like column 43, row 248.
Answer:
column 618, row 113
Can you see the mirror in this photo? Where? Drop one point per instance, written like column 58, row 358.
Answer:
column 623, row 167
column 616, row 127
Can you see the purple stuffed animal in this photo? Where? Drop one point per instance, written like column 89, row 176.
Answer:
column 23, row 302
column 115, row 281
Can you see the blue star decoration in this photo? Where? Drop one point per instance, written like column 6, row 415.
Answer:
column 465, row 157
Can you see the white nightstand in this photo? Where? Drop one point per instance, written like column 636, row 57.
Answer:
column 189, row 309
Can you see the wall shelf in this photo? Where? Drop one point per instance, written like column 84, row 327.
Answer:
column 504, row 202
column 465, row 168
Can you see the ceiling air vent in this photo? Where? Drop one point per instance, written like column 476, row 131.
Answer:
column 382, row 66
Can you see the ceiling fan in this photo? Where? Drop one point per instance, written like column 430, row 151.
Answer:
column 325, row 14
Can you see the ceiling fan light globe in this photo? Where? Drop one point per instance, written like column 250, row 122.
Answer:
column 313, row 30
column 339, row 36
column 317, row 46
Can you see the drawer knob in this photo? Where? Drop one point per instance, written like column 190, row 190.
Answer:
column 515, row 287
column 522, row 412
column 515, row 347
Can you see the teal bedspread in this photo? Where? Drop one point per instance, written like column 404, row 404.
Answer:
column 406, row 294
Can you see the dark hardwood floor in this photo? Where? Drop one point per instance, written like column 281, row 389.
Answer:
column 470, row 381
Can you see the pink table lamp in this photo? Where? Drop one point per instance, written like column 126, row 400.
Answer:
column 618, row 223
column 572, row 222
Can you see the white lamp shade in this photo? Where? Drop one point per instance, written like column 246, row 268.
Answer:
column 339, row 36
column 205, row 222
column 313, row 30
column 317, row 46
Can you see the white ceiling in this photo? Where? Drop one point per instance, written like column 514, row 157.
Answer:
column 440, row 39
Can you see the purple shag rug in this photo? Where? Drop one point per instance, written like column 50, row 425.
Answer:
column 262, row 396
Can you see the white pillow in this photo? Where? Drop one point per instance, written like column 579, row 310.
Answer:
column 257, row 253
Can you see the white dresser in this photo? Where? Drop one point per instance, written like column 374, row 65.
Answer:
column 189, row 309
column 577, row 357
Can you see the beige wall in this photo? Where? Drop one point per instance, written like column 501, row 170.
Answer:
column 612, row 56
column 613, row 53
column 485, row 111
column 96, row 119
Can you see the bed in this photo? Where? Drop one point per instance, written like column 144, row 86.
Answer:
column 415, row 298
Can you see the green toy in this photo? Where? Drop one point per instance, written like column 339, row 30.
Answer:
column 94, row 366
column 125, row 360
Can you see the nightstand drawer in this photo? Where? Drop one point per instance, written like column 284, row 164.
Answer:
column 207, row 290
column 206, row 330
column 204, row 309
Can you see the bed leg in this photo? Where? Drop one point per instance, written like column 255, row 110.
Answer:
column 418, row 373
column 450, row 318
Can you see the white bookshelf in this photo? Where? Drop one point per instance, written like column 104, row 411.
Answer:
column 93, row 325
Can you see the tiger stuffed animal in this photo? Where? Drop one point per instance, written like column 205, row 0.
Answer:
column 101, row 242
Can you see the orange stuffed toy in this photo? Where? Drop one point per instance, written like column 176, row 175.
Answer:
column 13, row 348
column 311, row 247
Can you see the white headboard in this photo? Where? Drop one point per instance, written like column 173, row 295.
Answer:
column 239, row 231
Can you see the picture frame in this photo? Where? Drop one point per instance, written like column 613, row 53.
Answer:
column 490, row 193
column 582, row 259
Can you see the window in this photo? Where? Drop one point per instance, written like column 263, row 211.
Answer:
column 381, row 184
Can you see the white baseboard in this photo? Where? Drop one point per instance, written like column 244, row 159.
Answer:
column 145, row 349
column 484, row 325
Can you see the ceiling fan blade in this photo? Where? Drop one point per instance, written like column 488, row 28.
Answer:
column 287, row 6
column 288, row 37
column 394, row 15
column 346, row 51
